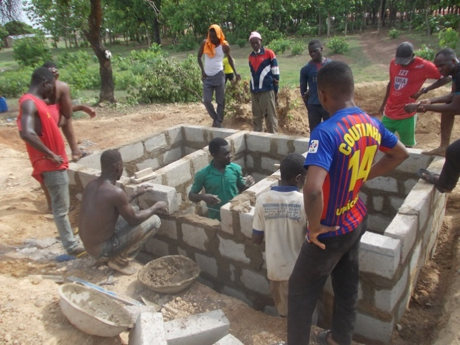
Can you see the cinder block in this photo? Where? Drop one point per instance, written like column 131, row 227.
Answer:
column 386, row 299
column 261, row 187
column 152, row 163
column 168, row 228
column 378, row 222
column 195, row 134
column 418, row 203
column 237, row 294
column 403, row 228
column 86, row 175
column 157, row 247
column 238, row 142
column 132, row 152
column 282, row 143
column 92, row 161
column 71, row 173
column 143, row 173
column 255, row 282
column 155, row 143
column 363, row 197
column 415, row 265
column 194, row 236
column 174, row 135
column 229, row 340
column 199, row 160
column 207, row 264
column 302, row 145
column 373, row 328
column 177, row 173
column 268, row 164
column 408, row 185
column 160, row 193
column 249, row 161
column 378, row 202
column 383, row 183
column 396, row 202
column 415, row 161
column 246, row 220
column 226, row 219
column 258, row 177
column 148, row 330
column 172, row 156
column 203, row 329
column 403, row 305
column 259, row 142
column 222, row 132
column 232, row 250
column 379, row 254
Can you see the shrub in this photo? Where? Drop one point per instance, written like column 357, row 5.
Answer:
column 304, row 29
column 241, row 42
column 167, row 81
column 297, row 48
column 394, row 33
column 425, row 53
column 80, row 58
column 187, row 42
column 268, row 35
column 280, row 45
column 31, row 51
column 338, row 45
column 15, row 83
column 448, row 38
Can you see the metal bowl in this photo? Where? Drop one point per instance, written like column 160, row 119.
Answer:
column 169, row 274
column 92, row 312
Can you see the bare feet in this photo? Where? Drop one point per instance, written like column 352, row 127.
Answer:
column 324, row 337
column 77, row 155
column 440, row 151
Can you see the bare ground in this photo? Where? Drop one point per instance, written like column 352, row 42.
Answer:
column 29, row 310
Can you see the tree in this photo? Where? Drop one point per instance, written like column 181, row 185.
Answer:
column 9, row 10
column 93, row 35
column 16, row 27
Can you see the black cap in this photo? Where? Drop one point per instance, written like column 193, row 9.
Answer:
column 404, row 53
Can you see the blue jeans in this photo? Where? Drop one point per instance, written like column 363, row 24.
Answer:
column 340, row 259
column 57, row 183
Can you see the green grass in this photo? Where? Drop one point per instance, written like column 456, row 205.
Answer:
column 363, row 68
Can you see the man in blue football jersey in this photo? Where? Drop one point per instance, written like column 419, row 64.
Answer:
column 339, row 161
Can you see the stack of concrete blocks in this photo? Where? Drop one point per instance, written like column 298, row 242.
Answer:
column 404, row 219
column 204, row 329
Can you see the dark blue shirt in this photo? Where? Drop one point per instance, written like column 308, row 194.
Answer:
column 308, row 75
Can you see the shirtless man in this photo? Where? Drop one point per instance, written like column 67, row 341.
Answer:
column 61, row 109
column 108, row 226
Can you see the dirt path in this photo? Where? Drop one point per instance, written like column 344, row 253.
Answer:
column 29, row 311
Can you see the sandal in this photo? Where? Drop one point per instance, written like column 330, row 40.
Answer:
column 429, row 177
column 76, row 158
column 322, row 337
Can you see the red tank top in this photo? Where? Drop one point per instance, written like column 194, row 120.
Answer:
column 51, row 137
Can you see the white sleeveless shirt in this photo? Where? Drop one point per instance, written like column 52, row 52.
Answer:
column 214, row 65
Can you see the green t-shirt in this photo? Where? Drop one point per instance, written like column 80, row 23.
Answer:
column 224, row 185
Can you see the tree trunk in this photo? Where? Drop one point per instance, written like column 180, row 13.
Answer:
column 379, row 19
column 427, row 17
column 328, row 24
column 156, row 31
column 105, row 67
column 346, row 24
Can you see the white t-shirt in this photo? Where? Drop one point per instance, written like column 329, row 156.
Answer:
column 280, row 214
column 214, row 65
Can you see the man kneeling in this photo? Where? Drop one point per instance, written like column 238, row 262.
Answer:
column 109, row 227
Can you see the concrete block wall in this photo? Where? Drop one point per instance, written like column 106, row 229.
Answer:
column 405, row 216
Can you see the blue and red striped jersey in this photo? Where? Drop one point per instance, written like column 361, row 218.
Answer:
column 264, row 69
column 345, row 145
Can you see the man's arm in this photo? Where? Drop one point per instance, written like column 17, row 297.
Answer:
column 207, row 198
column 385, row 99
column 435, row 85
column 390, row 160
column 452, row 106
column 29, row 135
column 313, row 203
column 89, row 110
column 65, row 100
column 304, row 84
column 226, row 50
column 131, row 216
column 200, row 61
